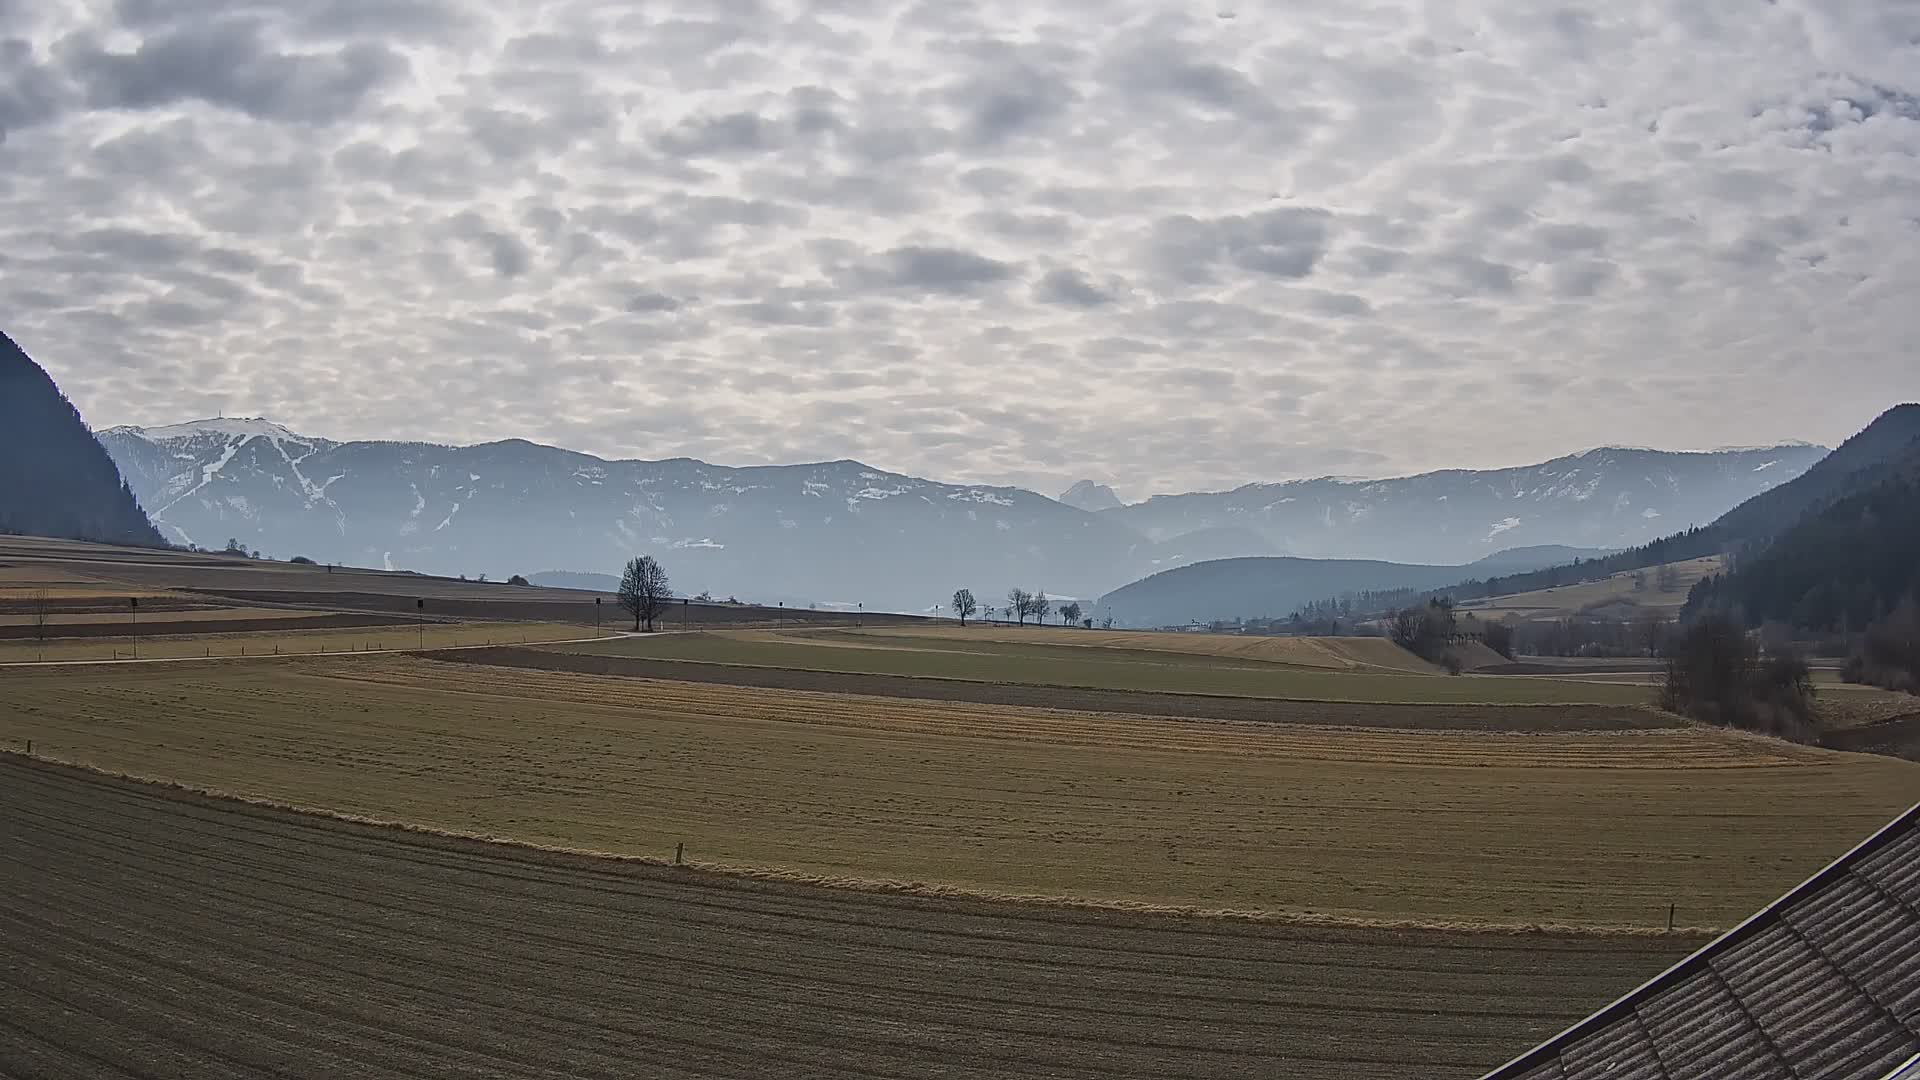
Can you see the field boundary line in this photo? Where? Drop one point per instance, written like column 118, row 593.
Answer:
column 886, row 887
column 1643, row 708
column 411, row 650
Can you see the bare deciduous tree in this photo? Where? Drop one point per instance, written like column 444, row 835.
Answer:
column 1020, row 604
column 1070, row 613
column 1042, row 606
column 964, row 605
column 643, row 590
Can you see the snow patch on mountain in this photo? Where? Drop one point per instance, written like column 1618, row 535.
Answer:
column 229, row 427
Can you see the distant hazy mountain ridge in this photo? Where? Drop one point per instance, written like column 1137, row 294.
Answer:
column 1091, row 497
column 1606, row 498
column 844, row 532
column 55, row 479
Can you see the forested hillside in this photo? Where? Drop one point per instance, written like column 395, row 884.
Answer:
column 1847, row 565
column 55, row 478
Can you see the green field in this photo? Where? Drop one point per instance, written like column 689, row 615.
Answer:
column 1133, row 669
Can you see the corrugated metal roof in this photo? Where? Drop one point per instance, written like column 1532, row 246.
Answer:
column 1823, row 983
column 1909, row 1071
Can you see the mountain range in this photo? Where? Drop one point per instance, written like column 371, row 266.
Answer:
column 1613, row 497
column 55, row 480
column 843, row 532
column 1836, row 538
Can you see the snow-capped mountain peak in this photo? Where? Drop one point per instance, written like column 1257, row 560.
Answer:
column 226, row 426
column 839, row 529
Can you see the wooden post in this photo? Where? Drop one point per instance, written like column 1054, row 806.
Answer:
column 1669, row 916
column 679, row 849
column 29, row 747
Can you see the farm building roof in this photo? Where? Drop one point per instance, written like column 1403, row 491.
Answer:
column 1824, row 982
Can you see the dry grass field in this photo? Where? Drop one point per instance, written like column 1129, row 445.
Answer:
column 1336, row 654
column 1578, row 828
column 388, row 637
column 152, row 932
column 954, row 655
column 117, row 573
column 1615, row 597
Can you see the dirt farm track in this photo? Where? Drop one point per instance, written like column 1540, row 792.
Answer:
column 152, row 932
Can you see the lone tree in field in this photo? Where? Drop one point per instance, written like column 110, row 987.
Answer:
column 964, row 605
column 1042, row 606
column 1070, row 614
column 1020, row 604
column 643, row 590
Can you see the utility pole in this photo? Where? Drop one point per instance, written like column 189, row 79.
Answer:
column 596, row 616
column 683, row 614
column 133, row 604
column 420, row 613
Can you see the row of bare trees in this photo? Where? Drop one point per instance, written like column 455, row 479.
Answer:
column 1021, row 606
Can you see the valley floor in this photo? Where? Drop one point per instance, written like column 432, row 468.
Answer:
column 1380, row 823
column 155, row 932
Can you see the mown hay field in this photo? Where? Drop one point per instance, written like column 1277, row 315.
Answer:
column 1580, row 828
column 203, row 640
column 119, row 617
column 1043, row 663
column 151, row 932
column 1333, row 653
column 1615, row 593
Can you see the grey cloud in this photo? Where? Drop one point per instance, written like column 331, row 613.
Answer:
column 1015, row 93
column 229, row 63
column 510, row 257
column 939, row 270
column 1564, row 237
column 1370, row 261
column 1071, row 288
column 30, row 92
column 1167, row 67
column 1581, row 279
column 1466, row 274
column 1030, row 228
column 725, row 210
column 326, row 18
column 734, row 133
column 1285, row 243
column 784, row 313
column 992, row 181
column 1342, row 304
column 651, row 302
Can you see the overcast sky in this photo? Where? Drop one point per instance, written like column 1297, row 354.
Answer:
column 1163, row 245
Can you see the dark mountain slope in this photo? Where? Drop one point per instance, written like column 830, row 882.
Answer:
column 55, row 478
column 1848, row 563
column 1854, row 466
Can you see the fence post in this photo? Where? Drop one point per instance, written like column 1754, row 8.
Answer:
column 679, row 850
column 29, row 747
column 1670, row 916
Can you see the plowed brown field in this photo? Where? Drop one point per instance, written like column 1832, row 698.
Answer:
column 156, row 933
column 1584, row 828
